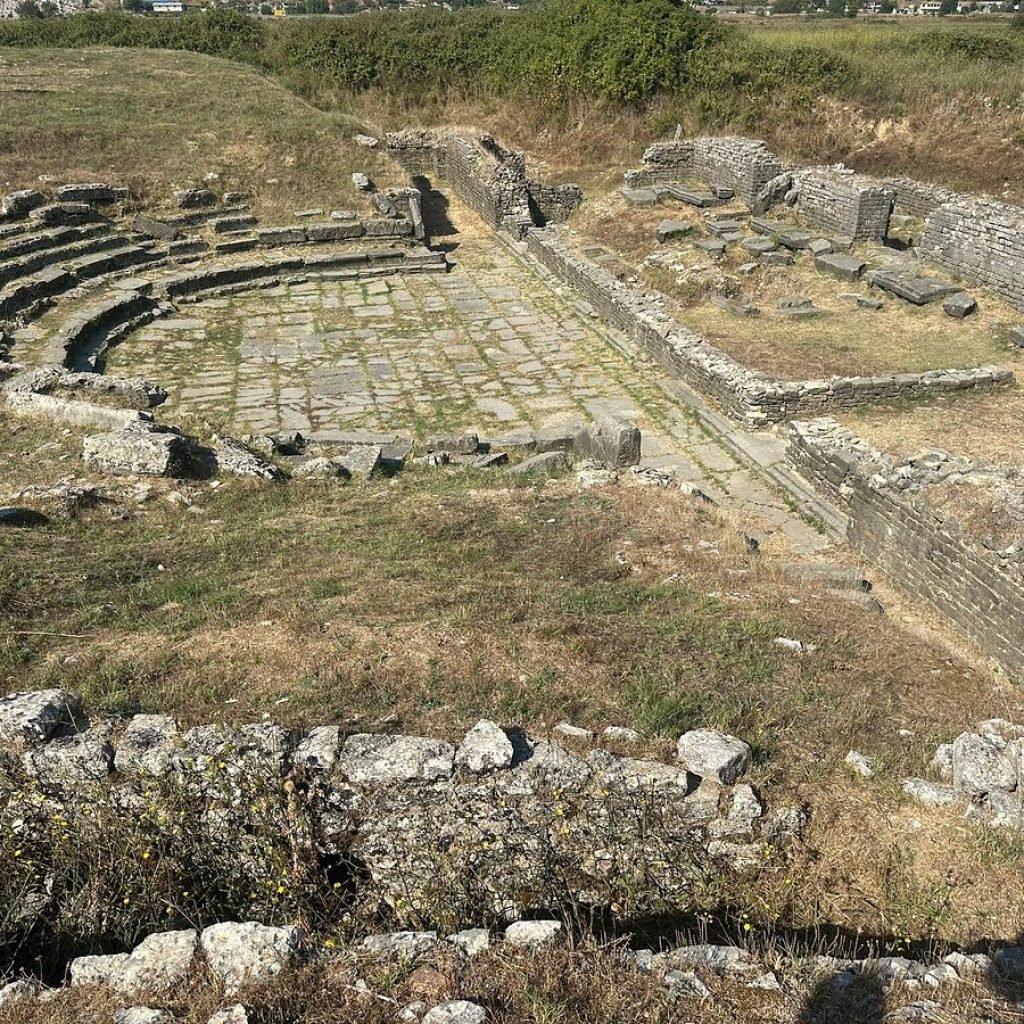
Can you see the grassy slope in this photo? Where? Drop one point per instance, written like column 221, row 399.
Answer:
column 159, row 120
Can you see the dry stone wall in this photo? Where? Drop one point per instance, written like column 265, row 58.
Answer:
column 742, row 165
column 919, row 198
column 846, row 203
column 981, row 241
column 487, row 177
column 926, row 553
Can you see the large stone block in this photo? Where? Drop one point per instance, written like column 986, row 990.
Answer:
column 142, row 452
column 609, row 441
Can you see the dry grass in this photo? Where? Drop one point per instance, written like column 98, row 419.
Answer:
column 844, row 340
column 985, row 426
column 585, row 984
column 158, row 120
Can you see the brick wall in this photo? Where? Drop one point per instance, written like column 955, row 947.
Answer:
column 923, row 553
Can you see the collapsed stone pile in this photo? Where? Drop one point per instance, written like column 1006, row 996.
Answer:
column 984, row 769
column 495, row 827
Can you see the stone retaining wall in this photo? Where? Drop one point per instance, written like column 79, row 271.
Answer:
column 981, row 241
column 488, row 178
column 744, row 394
column 742, row 165
column 926, row 554
column 919, row 198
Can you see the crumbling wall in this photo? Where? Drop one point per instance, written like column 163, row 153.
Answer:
column 845, row 203
column 487, row 177
column 923, row 551
column 742, row 165
column 981, row 241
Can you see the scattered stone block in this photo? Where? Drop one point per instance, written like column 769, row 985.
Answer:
column 846, row 268
column 930, row 794
column 34, row 716
column 611, row 442
column 820, row 247
column 362, row 182
column 545, row 462
column 795, row 239
column 1016, row 336
column 343, row 215
column 366, row 141
column 454, row 444
column 232, row 1015
column 533, row 934
column 981, row 765
column 456, row 1011
column 920, row 291
column 724, row 227
column 137, row 452
column 713, row 755
column 490, row 460
column 711, row 246
column 556, row 438
column 318, row 750
column 734, row 306
column 158, row 964
column 486, row 748
column 746, row 268
column 361, row 460
column 758, row 245
column 471, row 941
column 141, row 1015
column 670, row 230
column 692, row 197
column 404, row 945
column 959, row 306
column 306, row 214
column 232, row 456
column 194, row 198
column 640, row 196
column 777, row 259
column 861, row 765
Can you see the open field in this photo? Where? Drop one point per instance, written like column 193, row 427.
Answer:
column 160, row 121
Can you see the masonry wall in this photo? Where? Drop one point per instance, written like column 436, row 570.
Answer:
column 743, row 165
column 981, row 241
column 918, row 198
column 919, row 550
column 846, row 204
column 750, row 397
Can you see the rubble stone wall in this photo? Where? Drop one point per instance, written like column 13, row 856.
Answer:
column 926, row 554
column 981, row 241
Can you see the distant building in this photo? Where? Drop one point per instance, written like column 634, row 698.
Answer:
column 168, row 7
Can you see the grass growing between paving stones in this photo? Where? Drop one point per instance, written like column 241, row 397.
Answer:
column 424, row 602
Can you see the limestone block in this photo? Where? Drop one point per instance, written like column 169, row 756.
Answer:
column 147, row 746
column 67, row 761
column 545, row 462
column 610, row 442
column 194, row 198
column 141, row 452
column 369, row 759
column 159, row 963
column 456, row 1011
column 485, row 748
column 533, row 934
column 712, row 754
column 33, row 716
column 243, row 953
